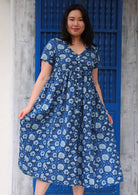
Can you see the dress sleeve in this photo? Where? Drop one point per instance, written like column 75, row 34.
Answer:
column 48, row 54
column 97, row 58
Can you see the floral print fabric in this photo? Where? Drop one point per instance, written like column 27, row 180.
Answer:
column 67, row 139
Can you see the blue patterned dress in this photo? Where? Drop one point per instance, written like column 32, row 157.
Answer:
column 67, row 138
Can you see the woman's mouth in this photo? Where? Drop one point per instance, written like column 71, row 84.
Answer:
column 75, row 29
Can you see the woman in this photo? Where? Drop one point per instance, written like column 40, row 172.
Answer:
column 66, row 134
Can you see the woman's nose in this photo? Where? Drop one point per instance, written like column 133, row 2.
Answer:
column 75, row 22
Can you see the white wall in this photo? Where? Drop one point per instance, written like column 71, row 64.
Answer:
column 24, row 69
column 129, row 98
column 6, row 98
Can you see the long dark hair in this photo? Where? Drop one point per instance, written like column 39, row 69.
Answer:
column 88, row 34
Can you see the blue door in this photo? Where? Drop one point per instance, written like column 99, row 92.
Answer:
column 106, row 19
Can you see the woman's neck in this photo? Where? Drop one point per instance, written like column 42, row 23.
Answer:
column 76, row 41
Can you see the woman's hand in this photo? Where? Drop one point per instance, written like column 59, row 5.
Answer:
column 110, row 118
column 24, row 112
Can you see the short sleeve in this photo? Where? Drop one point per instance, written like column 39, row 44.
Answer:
column 48, row 54
column 97, row 58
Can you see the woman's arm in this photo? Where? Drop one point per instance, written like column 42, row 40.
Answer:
column 95, row 79
column 45, row 73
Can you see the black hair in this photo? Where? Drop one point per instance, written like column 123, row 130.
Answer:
column 88, row 34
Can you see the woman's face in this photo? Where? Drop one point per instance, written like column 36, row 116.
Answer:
column 75, row 23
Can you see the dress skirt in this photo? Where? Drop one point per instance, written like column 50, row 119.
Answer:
column 67, row 138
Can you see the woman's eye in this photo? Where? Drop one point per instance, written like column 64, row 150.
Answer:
column 71, row 19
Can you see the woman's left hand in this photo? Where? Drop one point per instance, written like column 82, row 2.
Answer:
column 110, row 118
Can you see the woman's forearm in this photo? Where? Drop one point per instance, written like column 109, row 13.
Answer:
column 36, row 91
column 100, row 93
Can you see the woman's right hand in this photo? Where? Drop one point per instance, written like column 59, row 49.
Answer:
column 24, row 112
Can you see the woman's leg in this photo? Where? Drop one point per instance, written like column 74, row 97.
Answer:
column 41, row 187
column 78, row 190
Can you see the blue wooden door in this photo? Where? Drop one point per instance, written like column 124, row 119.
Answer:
column 106, row 19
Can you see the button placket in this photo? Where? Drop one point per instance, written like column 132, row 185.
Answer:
column 78, row 75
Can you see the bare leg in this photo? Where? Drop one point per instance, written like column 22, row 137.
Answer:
column 41, row 187
column 78, row 190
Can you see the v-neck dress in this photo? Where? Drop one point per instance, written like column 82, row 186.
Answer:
column 67, row 138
